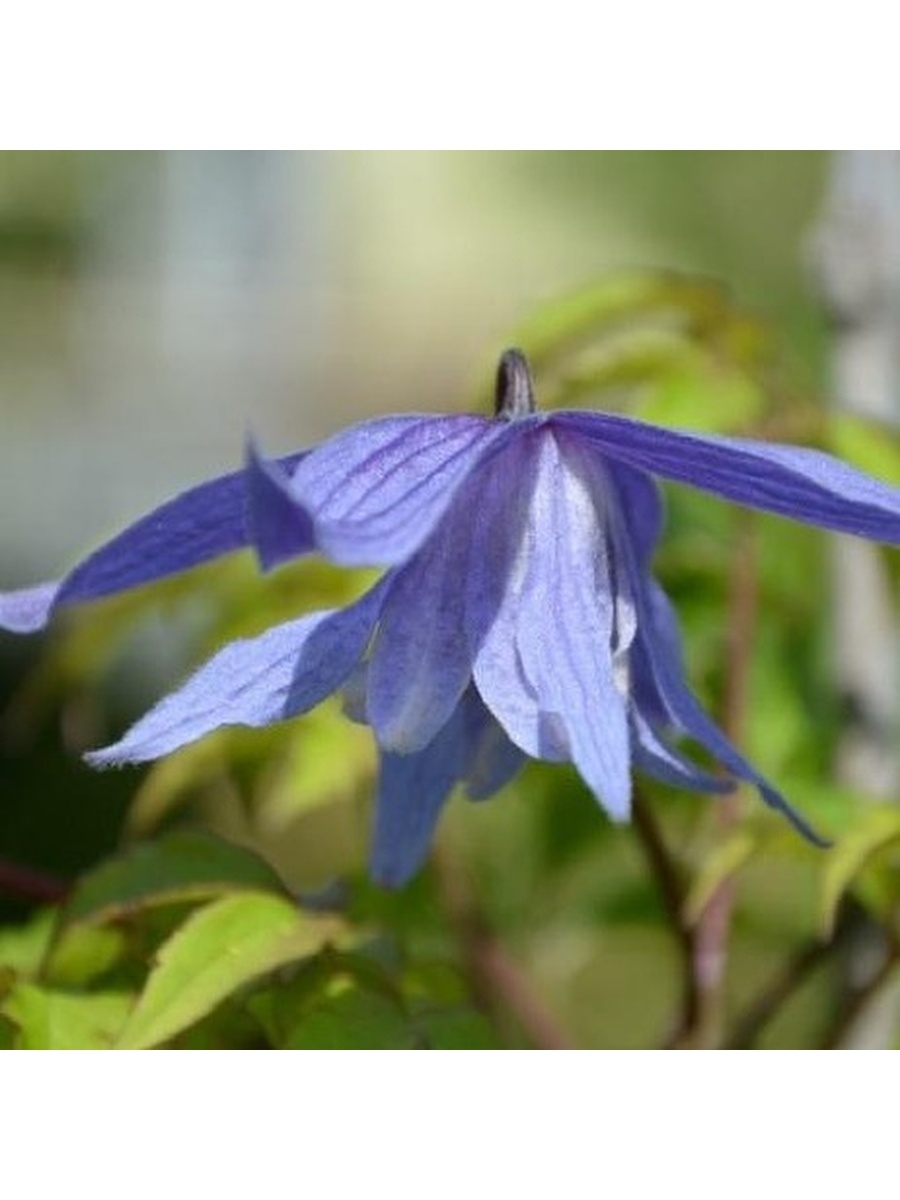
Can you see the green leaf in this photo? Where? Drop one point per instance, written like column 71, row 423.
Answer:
column 456, row 1029
column 216, row 951
column 877, row 827
column 82, row 954
column 353, row 1020
column 182, row 866
column 56, row 1020
column 22, row 947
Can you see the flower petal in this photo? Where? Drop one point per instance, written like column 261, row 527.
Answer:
column 277, row 526
column 421, row 662
column 285, row 671
column 493, row 758
column 660, row 643
column 375, row 492
column 28, row 609
column 196, row 526
column 557, row 614
column 655, row 758
column 792, row 481
column 413, row 788
column 496, row 602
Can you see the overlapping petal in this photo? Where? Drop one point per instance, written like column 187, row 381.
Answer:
column 277, row 526
column 792, row 481
column 545, row 662
column 413, row 788
column 285, row 671
column 376, row 492
column 655, row 757
column 198, row 525
column 421, row 660
column 659, row 648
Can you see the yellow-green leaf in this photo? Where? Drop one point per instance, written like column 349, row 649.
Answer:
column 57, row 1020
column 215, row 952
column 877, row 827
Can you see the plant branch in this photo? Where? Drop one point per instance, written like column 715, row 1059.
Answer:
column 712, row 932
column 498, row 984
column 25, row 883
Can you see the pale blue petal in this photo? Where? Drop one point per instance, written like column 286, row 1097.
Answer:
column 28, row 609
column 376, row 491
column 566, row 643
column 504, row 540
column 285, row 671
column 542, row 616
column 792, row 481
column 278, row 528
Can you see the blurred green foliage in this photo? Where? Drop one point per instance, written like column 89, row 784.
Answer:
column 235, row 911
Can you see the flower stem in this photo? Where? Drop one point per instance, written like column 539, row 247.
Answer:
column 498, row 984
column 713, row 929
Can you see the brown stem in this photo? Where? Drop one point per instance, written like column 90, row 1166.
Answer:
column 711, row 935
column 671, row 888
column 24, row 883
column 498, row 984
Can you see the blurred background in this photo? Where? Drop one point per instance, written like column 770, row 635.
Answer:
column 155, row 307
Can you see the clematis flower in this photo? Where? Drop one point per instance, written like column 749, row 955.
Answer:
column 518, row 617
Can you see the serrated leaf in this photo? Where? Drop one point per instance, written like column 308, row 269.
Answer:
column 877, row 827
column 56, row 1020
column 216, row 951
column 728, row 857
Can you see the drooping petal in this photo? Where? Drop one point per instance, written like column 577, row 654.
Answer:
column 493, row 759
column 495, row 601
column 545, row 663
column 421, row 661
column 200, row 524
column 660, row 644
column 285, row 671
column 805, row 485
column 375, row 492
column 28, row 609
column 662, row 762
column 278, row 528
column 413, row 788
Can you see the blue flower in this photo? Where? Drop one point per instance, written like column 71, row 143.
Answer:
column 518, row 618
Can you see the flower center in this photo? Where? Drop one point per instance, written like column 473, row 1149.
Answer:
column 514, row 393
